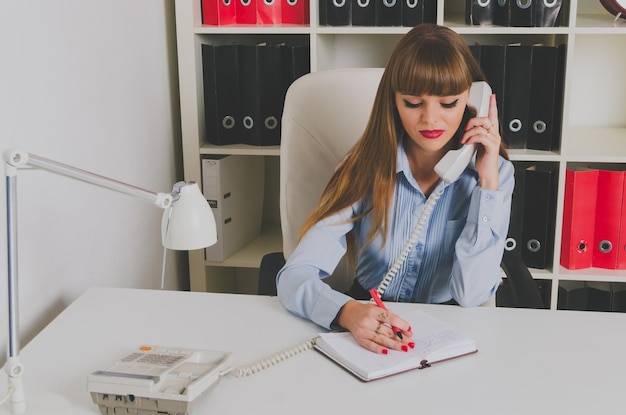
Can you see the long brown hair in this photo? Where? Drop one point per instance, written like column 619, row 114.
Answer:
column 428, row 60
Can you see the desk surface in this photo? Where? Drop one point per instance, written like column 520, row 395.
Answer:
column 529, row 361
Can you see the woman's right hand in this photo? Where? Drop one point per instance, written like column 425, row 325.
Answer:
column 370, row 326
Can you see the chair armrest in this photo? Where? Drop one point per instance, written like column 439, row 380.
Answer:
column 270, row 265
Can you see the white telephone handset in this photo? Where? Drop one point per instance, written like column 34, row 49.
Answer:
column 454, row 162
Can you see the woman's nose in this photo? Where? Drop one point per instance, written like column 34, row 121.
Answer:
column 429, row 112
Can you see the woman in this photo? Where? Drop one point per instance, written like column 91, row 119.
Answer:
column 374, row 199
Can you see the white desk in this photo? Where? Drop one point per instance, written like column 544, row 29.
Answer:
column 529, row 361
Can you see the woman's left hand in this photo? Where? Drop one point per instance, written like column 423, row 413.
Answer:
column 484, row 131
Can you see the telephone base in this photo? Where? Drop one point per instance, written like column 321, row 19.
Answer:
column 156, row 380
column 137, row 405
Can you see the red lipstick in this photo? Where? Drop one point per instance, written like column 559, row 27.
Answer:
column 431, row 134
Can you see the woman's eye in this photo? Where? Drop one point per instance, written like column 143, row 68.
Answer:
column 451, row 104
column 411, row 104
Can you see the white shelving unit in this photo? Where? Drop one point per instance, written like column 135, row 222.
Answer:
column 594, row 109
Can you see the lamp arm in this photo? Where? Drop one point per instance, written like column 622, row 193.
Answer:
column 16, row 159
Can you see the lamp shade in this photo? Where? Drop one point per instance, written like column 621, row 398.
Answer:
column 188, row 223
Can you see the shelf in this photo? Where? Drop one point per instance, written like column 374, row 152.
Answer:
column 250, row 255
column 600, row 24
column 533, row 155
column 541, row 274
column 456, row 21
column 240, row 149
column 361, row 30
column 252, row 29
column 591, row 144
column 592, row 274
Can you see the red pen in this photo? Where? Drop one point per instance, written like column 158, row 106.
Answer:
column 379, row 303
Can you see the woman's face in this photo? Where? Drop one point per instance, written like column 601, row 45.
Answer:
column 431, row 121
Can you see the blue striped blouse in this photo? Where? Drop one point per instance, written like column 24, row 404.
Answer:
column 457, row 255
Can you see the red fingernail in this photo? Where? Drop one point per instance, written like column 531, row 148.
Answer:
column 385, row 351
column 409, row 329
column 412, row 345
column 405, row 348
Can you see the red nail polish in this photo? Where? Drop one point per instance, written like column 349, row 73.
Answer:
column 385, row 351
column 412, row 345
column 405, row 348
column 409, row 329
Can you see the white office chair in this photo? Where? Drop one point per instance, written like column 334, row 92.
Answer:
column 325, row 113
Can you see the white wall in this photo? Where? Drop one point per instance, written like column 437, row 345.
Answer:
column 90, row 83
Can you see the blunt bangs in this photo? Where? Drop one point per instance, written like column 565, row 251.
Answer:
column 431, row 68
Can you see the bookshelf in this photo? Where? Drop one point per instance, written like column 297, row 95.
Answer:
column 593, row 129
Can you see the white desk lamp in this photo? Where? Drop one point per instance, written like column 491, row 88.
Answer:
column 187, row 224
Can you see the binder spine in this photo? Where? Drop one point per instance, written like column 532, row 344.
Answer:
column 388, row 12
column 546, row 98
column 521, row 13
column 295, row 11
column 517, row 100
column 218, row 12
column 513, row 242
column 547, row 13
column 579, row 212
column 269, row 11
column 228, row 94
column 338, row 12
column 271, row 96
column 539, row 216
column 363, row 12
column 608, row 218
column 246, row 11
column 480, row 12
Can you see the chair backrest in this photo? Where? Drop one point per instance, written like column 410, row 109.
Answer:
column 325, row 113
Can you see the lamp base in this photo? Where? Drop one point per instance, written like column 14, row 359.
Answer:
column 42, row 403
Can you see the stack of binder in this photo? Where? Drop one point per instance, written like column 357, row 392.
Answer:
column 244, row 90
column 533, row 213
column 256, row 12
column 591, row 296
column 514, row 13
column 594, row 219
column 378, row 12
column 528, row 82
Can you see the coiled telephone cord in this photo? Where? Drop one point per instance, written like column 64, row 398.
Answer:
column 415, row 234
column 247, row 370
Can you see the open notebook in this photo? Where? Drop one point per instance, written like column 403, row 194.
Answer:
column 435, row 341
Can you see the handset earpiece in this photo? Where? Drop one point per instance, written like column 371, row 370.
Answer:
column 454, row 162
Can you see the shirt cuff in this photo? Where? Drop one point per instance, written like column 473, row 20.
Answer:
column 485, row 207
column 327, row 307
